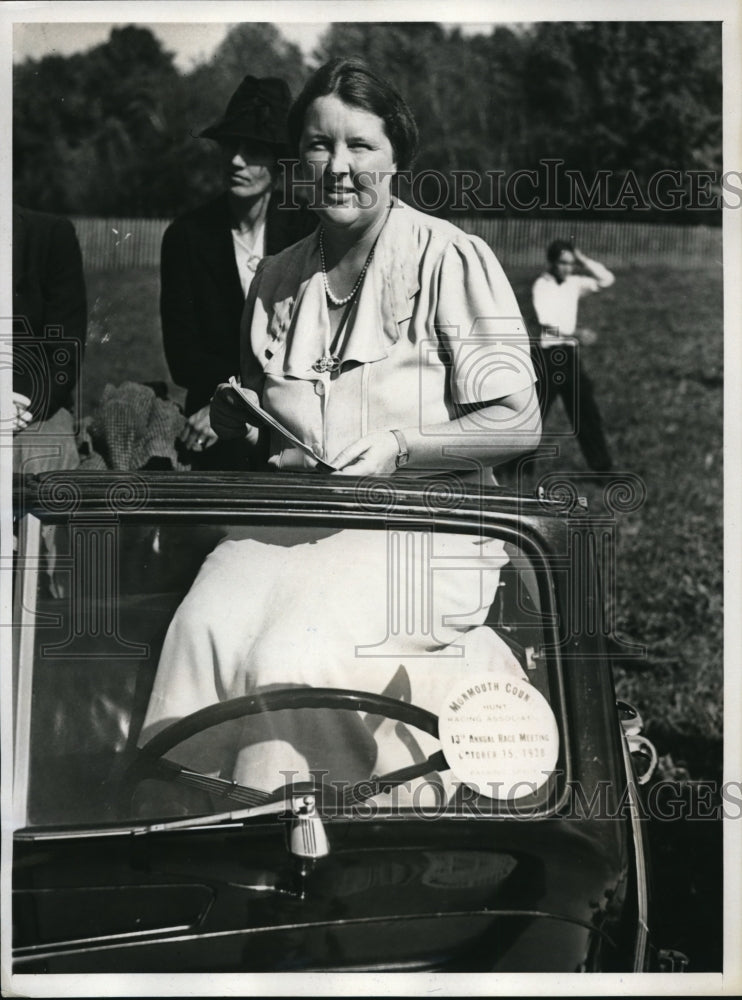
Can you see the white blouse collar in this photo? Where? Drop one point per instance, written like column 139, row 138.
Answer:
column 384, row 301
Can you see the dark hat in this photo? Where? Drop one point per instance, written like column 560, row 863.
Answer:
column 257, row 110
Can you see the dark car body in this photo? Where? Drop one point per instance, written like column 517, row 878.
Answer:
column 551, row 882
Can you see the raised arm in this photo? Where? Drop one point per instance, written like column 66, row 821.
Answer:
column 602, row 275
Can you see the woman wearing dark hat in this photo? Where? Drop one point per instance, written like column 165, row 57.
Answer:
column 209, row 256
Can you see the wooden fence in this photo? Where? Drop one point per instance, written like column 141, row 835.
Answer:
column 127, row 243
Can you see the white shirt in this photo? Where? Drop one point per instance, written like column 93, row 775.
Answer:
column 556, row 302
column 248, row 255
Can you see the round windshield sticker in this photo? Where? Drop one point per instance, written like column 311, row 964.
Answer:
column 499, row 736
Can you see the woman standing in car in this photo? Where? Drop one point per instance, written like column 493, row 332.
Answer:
column 389, row 343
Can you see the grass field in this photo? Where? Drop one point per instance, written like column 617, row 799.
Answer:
column 124, row 340
column 657, row 368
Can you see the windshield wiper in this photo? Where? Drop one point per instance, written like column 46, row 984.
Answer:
column 288, row 805
column 129, row 827
column 307, row 837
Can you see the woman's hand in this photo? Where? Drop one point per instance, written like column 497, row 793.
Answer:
column 228, row 416
column 373, row 455
column 197, row 435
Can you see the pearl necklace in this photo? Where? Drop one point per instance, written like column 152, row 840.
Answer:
column 328, row 291
column 329, row 363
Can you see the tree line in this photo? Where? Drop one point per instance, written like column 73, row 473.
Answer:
column 621, row 119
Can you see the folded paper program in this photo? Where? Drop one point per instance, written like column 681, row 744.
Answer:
column 261, row 418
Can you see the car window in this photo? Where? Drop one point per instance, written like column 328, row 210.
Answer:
column 408, row 624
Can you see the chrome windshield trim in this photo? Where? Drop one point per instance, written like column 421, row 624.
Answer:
column 642, row 893
column 29, row 543
column 75, row 944
column 189, row 935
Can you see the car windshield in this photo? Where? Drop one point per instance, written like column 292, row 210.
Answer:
column 407, row 670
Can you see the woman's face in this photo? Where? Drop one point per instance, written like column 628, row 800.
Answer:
column 346, row 154
column 563, row 266
column 250, row 167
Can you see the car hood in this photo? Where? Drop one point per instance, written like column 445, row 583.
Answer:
column 449, row 895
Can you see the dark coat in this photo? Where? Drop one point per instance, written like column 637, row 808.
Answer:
column 49, row 310
column 201, row 297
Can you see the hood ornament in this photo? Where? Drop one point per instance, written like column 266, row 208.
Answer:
column 307, row 836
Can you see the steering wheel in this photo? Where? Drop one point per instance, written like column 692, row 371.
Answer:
column 149, row 763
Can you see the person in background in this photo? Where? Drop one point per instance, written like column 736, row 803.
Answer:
column 556, row 295
column 49, row 333
column 210, row 254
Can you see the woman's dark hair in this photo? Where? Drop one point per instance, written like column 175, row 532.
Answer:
column 358, row 86
column 558, row 247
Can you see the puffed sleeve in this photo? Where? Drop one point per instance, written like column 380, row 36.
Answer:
column 479, row 321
